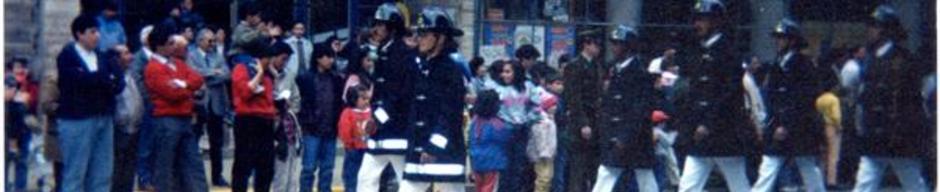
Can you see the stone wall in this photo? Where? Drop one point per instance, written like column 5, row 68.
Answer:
column 57, row 16
column 21, row 29
column 37, row 29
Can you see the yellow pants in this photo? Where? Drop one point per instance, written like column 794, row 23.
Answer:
column 543, row 175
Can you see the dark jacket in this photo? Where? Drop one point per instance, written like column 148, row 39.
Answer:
column 893, row 124
column 790, row 96
column 583, row 80
column 625, row 112
column 436, row 122
column 14, row 122
column 83, row 93
column 323, row 125
column 539, row 72
column 395, row 73
column 712, row 95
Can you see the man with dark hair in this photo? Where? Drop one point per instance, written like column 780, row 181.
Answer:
column 88, row 86
column 535, row 71
column 253, row 98
column 321, row 103
column 287, row 136
column 583, row 77
column 171, row 85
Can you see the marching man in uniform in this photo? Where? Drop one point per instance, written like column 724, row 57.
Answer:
column 711, row 115
column 794, row 130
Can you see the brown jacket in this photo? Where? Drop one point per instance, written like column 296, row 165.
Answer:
column 48, row 95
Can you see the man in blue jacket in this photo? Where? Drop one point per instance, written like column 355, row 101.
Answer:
column 87, row 86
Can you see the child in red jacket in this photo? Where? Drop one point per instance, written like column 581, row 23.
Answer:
column 355, row 126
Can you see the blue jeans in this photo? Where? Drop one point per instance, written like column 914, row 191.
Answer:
column 351, row 165
column 319, row 154
column 177, row 163
column 87, row 146
column 21, row 162
column 144, row 140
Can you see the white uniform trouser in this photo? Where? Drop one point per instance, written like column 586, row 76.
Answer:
column 607, row 178
column 287, row 172
column 372, row 167
column 697, row 169
column 871, row 171
column 418, row 186
column 770, row 168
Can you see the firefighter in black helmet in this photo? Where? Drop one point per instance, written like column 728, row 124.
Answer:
column 394, row 72
column 436, row 152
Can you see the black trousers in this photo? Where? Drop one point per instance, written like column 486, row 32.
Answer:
column 125, row 161
column 519, row 174
column 254, row 153
column 582, row 165
column 215, row 127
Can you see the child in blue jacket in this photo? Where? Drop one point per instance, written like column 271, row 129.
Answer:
column 489, row 137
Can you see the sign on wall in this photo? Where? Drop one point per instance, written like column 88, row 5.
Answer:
column 501, row 39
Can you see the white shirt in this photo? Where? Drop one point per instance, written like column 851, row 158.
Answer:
column 88, row 56
column 884, row 49
column 163, row 60
column 656, row 66
column 786, row 57
column 849, row 75
column 754, row 100
column 625, row 63
column 147, row 52
column 711, row 40
column 586, row 57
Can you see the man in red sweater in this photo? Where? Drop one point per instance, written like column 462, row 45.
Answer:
column 253, row 96
column 171, row 84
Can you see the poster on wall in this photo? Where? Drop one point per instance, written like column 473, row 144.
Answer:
column 560, row 40
column 498, row 34
column 530, row 34
column 500, row 40
column 491, row 53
